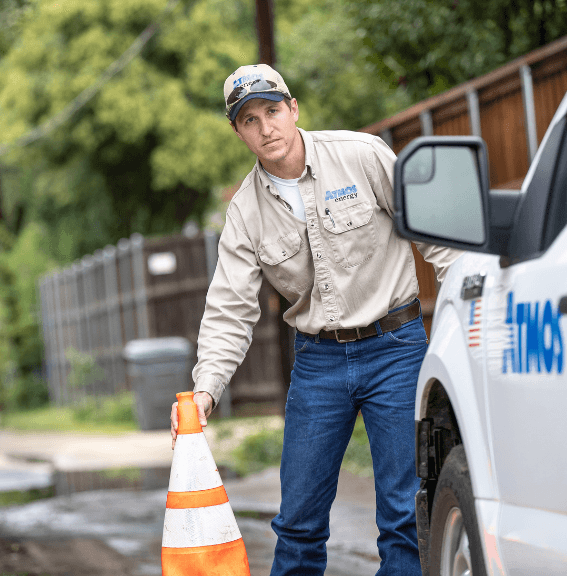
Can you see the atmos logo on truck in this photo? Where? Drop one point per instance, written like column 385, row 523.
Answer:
column 535, row 341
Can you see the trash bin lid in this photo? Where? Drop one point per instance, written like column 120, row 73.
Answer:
column 157, row 349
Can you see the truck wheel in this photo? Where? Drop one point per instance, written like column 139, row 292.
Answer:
column 455, row 545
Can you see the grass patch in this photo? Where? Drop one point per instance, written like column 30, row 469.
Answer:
column 131, row 475
column 16, row 497
column 259, row 451
column 263, row 449
column 112, row 417
column 358, row 459
column 117, row 409
column 254, row 514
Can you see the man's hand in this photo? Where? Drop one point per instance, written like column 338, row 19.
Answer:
column 204, row 402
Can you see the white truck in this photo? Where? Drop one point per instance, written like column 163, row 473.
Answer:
column 491, row 405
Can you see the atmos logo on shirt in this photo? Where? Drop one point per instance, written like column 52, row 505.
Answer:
column 535, row 340
column 341, row 193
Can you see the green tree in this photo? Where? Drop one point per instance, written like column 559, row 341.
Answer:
column 431, row 45
column 144, row 153
column 22, row 260
column 338, row 81
column 11, row 15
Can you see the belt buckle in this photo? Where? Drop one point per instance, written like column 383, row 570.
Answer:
column 358, row 337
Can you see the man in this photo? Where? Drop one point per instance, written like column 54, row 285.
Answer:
column 314, row 217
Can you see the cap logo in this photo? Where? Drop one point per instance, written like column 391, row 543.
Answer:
column 256, row 81
column 246, row 79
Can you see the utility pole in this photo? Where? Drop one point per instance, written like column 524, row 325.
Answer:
column 265, row 30
column 267, row 55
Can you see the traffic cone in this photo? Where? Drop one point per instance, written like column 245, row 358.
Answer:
column 200, row 535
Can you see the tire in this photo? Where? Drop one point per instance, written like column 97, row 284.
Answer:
column 455, row 544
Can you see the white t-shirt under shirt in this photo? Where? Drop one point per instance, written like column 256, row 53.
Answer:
column 289, row 191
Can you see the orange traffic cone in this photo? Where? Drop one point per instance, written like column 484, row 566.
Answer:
column 200, row 535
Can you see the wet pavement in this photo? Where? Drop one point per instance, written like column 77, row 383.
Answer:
column 110, row 504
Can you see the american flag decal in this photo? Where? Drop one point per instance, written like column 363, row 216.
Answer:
column 474, row 336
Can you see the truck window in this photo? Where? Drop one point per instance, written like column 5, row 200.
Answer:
column 556, row 218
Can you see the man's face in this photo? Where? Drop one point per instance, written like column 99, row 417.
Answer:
column 268, row 128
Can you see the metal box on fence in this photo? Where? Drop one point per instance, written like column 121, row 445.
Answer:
column 158, row 368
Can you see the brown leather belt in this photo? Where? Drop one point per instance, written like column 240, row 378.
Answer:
column 391, row 321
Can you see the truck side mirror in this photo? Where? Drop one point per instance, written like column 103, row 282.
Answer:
column 441, row 192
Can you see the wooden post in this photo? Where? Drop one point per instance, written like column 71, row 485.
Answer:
column 474, row 112
column 267, row 55
column 529, row 110
column 265, row 29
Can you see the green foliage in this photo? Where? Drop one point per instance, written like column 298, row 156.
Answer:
column 131, row 475
column 19, row 497
column 332, row 73
column 62, row 419
column 22, row 261
column 263, row 449
column 358, row 459
column 26, row 393
column 431, row 45
column 144, row 153
column 12, row 13
column 258, row 451
column 118, row 409
column 84, row 371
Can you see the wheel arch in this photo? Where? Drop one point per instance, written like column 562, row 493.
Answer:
column 450, row 399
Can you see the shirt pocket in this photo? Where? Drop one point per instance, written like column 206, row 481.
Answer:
column 352, row 233
column 285, row 264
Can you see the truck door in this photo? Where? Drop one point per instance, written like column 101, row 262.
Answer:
column 526, row 378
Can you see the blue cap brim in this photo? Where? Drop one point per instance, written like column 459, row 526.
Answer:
column 275, row 96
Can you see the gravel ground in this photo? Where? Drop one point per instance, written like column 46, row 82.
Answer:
column 68, row 557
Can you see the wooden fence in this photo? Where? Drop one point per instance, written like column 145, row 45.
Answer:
column 95, row 306
column 510, row 108
column 148, row 289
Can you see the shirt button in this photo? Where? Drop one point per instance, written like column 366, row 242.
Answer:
column 349, row 223
column 312, row 223
column 332, row 318
column 283, row 253
column 319, row 255
column 326, row 286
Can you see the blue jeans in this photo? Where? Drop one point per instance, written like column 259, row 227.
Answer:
column 330, row 383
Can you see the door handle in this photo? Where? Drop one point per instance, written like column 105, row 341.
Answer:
column 563, row 305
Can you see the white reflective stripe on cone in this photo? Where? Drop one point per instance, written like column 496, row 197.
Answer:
column 190, row 527
column 193, row 467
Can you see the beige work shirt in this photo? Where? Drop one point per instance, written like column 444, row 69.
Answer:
column 344, row 267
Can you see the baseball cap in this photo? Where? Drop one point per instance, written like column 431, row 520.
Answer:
column 253, row 81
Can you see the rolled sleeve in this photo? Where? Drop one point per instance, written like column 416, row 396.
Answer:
column 439, row 256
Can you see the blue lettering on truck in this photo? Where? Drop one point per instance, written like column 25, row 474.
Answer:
column 535, row 341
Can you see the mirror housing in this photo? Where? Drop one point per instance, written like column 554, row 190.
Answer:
column 442, row 193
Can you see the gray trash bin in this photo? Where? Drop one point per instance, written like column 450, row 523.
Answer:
column 158, row 368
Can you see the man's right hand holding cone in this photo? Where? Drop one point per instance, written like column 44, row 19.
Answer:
column 204, row 402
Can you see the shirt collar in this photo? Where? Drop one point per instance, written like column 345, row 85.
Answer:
column 308, row 143
column 309, row 148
